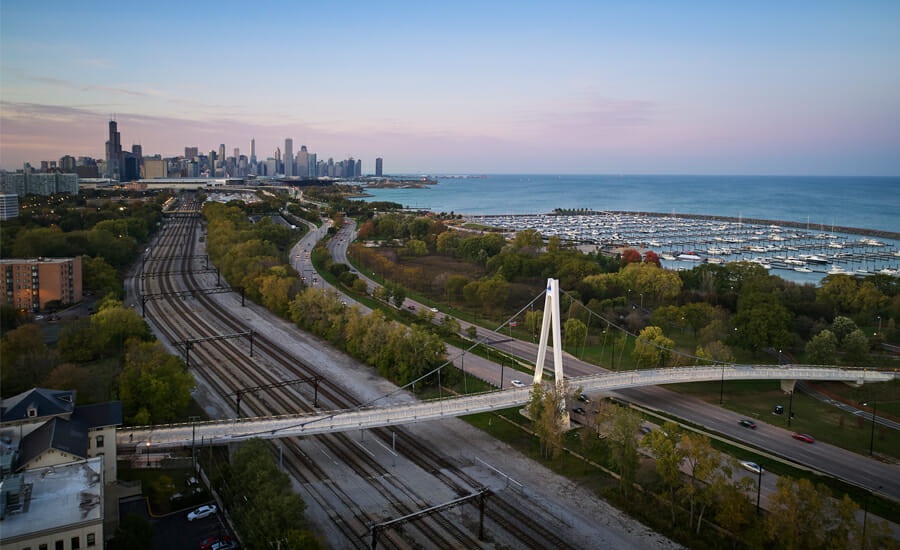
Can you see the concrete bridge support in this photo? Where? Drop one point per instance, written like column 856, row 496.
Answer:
column 787, row 386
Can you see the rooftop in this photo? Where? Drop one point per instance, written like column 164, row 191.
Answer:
column 42, row 402
column 60, row 496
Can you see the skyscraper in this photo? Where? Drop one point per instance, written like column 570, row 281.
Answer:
column 212, row 164
column 237, row 153
column 191, row 152
column 288, row 157
column 113, row 152
column 221, row 156
column 302, row 162
column 252, row 151
column 378, row 167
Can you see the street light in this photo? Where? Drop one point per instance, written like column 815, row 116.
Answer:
column 872, row 434
column 758, row 488
column 148, row 454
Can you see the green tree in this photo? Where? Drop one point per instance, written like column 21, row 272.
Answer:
column 534, row 321
column 447, row 242
column 652, row 348
column 26, row 359
column 663, row 445
column 414, row 248
column 762, row 321
column 527, row 238
column 621, row 425
column 546, row 408
column 716, row 352
column 100, row 277
column 735, row 511
column 856, row 349
column 154, row 386
column 575, row 332
column 822, row 348
column 454, row 285
column 841, row 327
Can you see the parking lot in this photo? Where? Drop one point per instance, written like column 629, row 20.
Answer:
column 174, row 531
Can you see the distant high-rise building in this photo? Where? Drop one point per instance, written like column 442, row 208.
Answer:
column 9, row 206
column 288, row 157
column 378, row 167
column 191, row 152
column 138, row 153
column 67, row 164
column 302, row 162
column 212, row 164
column 237, row 153
column 221, row 157
column 113, row 152
column 252, row 151
column 154, row 169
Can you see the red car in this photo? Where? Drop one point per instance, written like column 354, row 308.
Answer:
column 804, row 437
column 208, row 543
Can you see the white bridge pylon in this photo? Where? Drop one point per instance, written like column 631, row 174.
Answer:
column 551, row 318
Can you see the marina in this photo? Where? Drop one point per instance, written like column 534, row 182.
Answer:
column 804, row 254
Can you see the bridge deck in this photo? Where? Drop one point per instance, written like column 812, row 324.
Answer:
column 226, row 431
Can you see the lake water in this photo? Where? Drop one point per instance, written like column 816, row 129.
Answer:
column 863, row 202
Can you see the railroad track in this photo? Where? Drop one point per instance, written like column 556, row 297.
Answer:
column 225, row 367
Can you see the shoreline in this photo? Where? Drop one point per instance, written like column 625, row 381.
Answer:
column 757, row 221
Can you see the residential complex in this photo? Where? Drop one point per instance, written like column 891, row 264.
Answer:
column 32, row 283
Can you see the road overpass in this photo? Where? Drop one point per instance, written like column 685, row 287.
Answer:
column 228, row 431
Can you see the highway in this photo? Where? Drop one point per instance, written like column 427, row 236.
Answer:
column 868, row 473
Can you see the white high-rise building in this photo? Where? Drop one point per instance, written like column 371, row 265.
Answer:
column 288, row 157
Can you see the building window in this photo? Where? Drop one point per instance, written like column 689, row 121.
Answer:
column 99, row 441
column 76, row 543
column 32, row 412
column 90, row 539
column 59, row 545
column 42, row 547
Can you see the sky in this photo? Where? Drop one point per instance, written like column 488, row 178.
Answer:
column 605, row 87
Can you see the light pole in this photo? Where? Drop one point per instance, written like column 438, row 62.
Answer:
column 758, row 489
column 642, row 301
column 872, row 433
column 790, row 408
column 722, row 385
column 148, row 454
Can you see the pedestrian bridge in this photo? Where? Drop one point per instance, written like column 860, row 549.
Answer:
column 227, row 431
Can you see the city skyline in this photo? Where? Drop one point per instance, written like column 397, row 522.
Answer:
column 699, row 88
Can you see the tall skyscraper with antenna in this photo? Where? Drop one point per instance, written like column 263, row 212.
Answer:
column 252, row 151
column 113, row 152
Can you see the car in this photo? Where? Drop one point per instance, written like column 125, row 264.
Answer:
column 434, row 310
column 583, row 398
column 751, row 466
column 747, row 424
column 578, row 410
column 412, row 308
column 202, row 512
column 645, row 430
column 224, row 545
column 208, row 543
column 517, row 383
column 804, row 437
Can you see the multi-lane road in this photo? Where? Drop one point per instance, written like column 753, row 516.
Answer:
column 870, row 474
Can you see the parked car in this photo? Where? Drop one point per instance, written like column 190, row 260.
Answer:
column 748, row 423
column 804, row 437
column 211, row 541
column 583, row 398
column 517, row 383
column 578, row 410
column 645, row 430
column 751, row 466
column 202, row 512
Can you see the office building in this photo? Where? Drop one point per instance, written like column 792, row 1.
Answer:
column 154, row 169
column 252, row 151
column 358, row 171
column 221, row 157
column 31, row 283
column 212, row 164
column 378, row 168
column 113, row 152
column 313, row 165
column 9, row 206
column 302, row 162
column 191, row 152
column 67, row 164
column 288, row 157
column 26, row 183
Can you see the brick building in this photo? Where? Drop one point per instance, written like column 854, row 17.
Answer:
column 31, row 283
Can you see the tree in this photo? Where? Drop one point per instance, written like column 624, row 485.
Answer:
column 705, row 468
column 26, row 359
column 622, row 425
column 414, row 248
column 575, row 332
column 630, row 256
column 133, row 533
column 100, row 277
column 762, row 321
column 534, row 321
column 716, row 352
column 652, row 348
column 796, row 519
column 527, row 238
column 841, row 327
column 652, row 258
column 447, row 242
column 454, row 285
column 735, row 509
column 154, row 386
column 856, row 349
column 663, row 445
column 546, row 407
column 822, row 349
column 493, row 293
